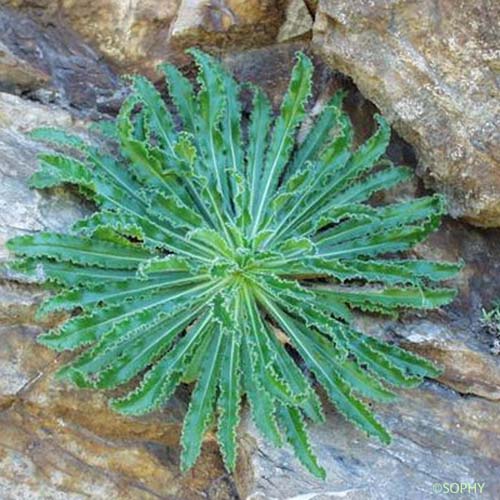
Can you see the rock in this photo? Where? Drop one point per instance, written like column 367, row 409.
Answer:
column 19, row 302
column 438, row 437
column 466, row 371
column 136, row 36
column 63, row 68
column 133, row 35
column 298, row 21
column 22, row 116
column 130, row 34
column 23, row 210
column 230, row 23
column 59, row 442
column 430, row 68
column 468, row 366
column 21, row 359
column 16, row 74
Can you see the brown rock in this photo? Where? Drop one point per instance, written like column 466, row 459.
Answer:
column 466, row 371
column 226, row 23
column 430, row 68
column 136, row 36
column 16, row 74
column 130, row 34
column 66, row 443
column 21, row 359
column 19, row 302
column 468, row 367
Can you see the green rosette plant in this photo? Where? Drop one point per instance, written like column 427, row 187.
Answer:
column 233, row 256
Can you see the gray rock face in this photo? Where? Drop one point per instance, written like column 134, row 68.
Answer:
column 431, row 67
column 438, row 438
column 53, row 64
column 23, row 210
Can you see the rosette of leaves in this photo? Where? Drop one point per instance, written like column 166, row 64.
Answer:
column 233, row 256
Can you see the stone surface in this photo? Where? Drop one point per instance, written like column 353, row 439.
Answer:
column 468, row 366
column 18, row 304
column 130, row 34
column 62, row 68
column 16, row 74
column 22, row 116
column 22, row 209
column 438, row 437
column 133, row 35
column 430, row 67
column 58, row 442
column 137, row 35
column 226, row 24
column 298, row 22
column 466, row 371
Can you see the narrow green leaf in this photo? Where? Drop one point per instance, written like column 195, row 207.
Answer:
column 261, row 403
column 229, row 400
column 389, row 298
column 296, row 435
column 79, row 250
column 260, row 120
column 182, row 94
column 291, row 114
column 202, row 402
column 318, row 134
column 58, row 137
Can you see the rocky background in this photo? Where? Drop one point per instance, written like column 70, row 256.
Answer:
column 431, row 67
